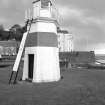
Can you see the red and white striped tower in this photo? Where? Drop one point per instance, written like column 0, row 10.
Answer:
column 41, row 61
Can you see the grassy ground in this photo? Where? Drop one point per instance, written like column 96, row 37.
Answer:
column 78, row 87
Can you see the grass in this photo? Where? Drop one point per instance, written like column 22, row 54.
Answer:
column 78, row 87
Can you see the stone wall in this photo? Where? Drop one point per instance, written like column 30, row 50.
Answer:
column 77, row 57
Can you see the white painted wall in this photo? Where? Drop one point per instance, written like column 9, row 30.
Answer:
column 46, row 64
column 36, row 9
column 45, row 13
column 47, row 68
column 25, row 68
column 65, row 42
column 43, row 27
column 28, row 50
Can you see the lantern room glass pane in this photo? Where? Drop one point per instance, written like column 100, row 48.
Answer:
column 45, row 3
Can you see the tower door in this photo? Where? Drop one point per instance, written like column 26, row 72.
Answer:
column 31, row 66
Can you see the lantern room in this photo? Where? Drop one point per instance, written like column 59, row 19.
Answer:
column 42, row 8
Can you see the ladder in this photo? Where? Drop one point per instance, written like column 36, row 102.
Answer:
column 19, row 55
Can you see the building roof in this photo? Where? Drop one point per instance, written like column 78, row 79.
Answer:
column 62, row 31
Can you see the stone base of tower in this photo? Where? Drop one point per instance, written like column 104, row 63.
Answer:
column 44, row 66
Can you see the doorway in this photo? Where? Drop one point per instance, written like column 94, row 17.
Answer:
column 30, row 66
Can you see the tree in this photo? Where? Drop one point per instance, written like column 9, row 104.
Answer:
column 1, row 31
column 5, row 35
column 1, row 27
column 16, row 32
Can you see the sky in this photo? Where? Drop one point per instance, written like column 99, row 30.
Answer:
column 85, row 19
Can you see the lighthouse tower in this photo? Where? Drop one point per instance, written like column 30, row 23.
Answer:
column 41, row 59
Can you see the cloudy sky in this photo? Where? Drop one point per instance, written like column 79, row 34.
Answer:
column 85, row 19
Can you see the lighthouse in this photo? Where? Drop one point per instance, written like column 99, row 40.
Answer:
column 41, row 56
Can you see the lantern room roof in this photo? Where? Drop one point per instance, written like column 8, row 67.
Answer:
column 41, row 1
column 35, row 1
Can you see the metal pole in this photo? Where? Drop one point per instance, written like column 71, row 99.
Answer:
column 11, row 77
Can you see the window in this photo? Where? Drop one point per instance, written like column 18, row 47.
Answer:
column 45, row 3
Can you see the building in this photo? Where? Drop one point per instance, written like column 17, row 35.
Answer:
column 65, row 41
column 41, row 58
column 8, row 47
